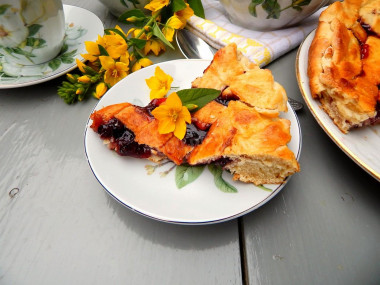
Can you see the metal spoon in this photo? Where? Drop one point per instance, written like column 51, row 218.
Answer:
column 192, row 46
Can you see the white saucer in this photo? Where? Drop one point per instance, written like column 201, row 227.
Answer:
column 81, row 25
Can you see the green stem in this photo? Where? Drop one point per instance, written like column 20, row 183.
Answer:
column 153, row 18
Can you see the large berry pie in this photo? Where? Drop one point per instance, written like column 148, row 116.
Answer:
column 240, row 130
column 344, row 63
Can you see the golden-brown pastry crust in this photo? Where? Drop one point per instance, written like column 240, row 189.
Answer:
column 342, row 63
column 247, row 132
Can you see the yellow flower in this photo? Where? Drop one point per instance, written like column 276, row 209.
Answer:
column 159, row 84
column 173, row 23
column 115, row 71
column 135, row 32
column 172, row 116
column 156, row 5
column 184, row 15
column 80, row 65
column 141, row 63
column 156, row 46
column 115, row 45
column 92, row 51
column 84, row 79
column 100, row 89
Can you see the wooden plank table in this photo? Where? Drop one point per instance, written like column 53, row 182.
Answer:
column 61, row 227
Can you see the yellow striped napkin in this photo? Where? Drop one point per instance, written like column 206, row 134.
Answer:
column 259, row 47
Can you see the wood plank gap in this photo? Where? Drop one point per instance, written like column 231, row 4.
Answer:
column 243, row 253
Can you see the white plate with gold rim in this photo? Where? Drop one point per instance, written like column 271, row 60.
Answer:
column 361, row 145
column 127, row 180
column 81, row 25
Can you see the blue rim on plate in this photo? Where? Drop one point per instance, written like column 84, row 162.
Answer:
column 156, row 197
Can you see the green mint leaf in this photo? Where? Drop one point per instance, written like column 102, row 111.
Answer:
column 185, row 174
column 197, row 7
column 197, row 96
column 222, row 185
column 178, row 5
column 131, row 13
column 157, row 32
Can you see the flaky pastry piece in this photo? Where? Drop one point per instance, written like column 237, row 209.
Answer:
column 226, row 64
column 252, row 146
column 231, row 73
column 342, row 65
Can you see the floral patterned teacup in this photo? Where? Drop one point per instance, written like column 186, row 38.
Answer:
column 31, row 31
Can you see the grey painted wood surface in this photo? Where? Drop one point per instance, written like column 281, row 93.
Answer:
column 324, row 226
column 62, row 228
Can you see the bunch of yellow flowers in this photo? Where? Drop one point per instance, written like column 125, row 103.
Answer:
column 116, row 54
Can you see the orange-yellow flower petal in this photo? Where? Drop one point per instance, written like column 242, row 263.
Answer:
column 156, row 46
column 184, row 15
column 173, row 23
column 141, row 63
column 115, row 71
column 156, row 5
column 172, row 113
column 80, row 65
column 159, row 84
column 100, row 90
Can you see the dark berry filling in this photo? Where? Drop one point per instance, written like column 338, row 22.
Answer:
column 126, row 145
column 364, row 51
column 225, row 99
column 123, row 139
column 194, row 136
column 152, row 105
column 113, row 128
column 222, row 161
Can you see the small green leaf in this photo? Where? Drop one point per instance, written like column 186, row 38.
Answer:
column 197, row 96
column 300, row 2
column 264, row 188
column 66, row 59
column 178, row 5
column 64, row 49
column 55, row 63
column 136, row 13
column 272, row 8
column 139, row 43
column 102, row 50
column 35, row 42
column 185, row 174
column 222, row 185
column 3, row 8
column 197, row 7
column 157, row 32
column 122, row 2
column 33, row 29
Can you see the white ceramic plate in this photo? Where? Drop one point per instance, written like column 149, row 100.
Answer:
column 157, row 197
column 362, row 145
column 81, row 25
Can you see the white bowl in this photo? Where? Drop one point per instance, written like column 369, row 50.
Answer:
column 275, row 15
